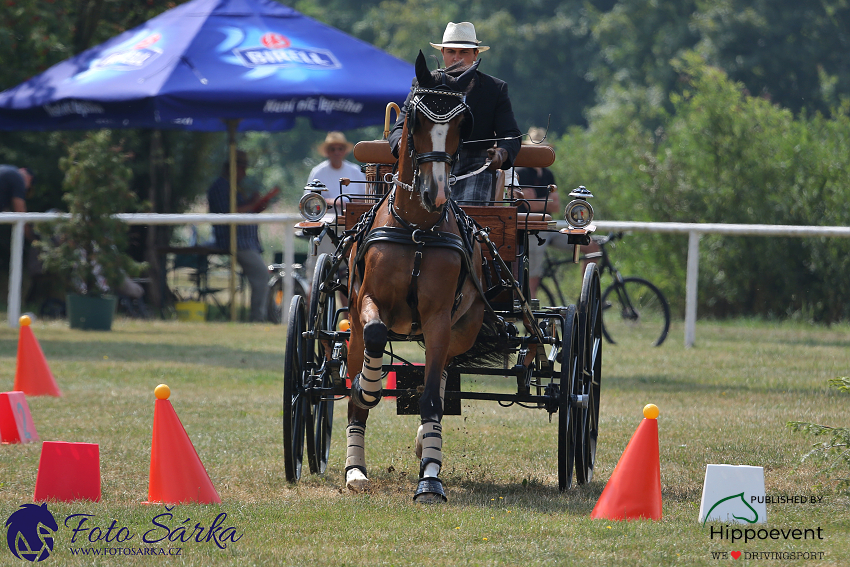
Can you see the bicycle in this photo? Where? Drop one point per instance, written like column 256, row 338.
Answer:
column 277, row 272
column 632, row 307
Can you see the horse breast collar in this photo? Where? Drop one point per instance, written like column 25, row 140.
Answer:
column 366, row 235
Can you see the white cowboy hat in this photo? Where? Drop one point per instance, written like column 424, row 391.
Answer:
column 460, row 36
column 334, row 139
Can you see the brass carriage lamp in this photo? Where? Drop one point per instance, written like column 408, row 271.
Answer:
column 312, row 205
column 579, row 215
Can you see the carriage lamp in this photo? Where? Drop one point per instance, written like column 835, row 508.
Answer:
column 579, row 213
column 312, row 205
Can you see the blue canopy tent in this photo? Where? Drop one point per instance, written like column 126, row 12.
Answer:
column 211, row 65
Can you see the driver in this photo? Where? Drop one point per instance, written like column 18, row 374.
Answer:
column 492, row 114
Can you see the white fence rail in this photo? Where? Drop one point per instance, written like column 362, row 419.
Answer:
column 694, row 232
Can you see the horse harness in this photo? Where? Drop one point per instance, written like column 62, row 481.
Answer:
column 407, row 234
column 441, row 107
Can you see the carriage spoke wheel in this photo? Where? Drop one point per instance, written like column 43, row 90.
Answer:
column 296, row 409
column 569, row 359
column 322, row 316
column 588, row 381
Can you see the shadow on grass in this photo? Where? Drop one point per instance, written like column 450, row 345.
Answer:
column 212, row 355
column 534, row 495
column 685, row 384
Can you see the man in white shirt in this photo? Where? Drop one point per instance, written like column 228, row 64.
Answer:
column 335, row 148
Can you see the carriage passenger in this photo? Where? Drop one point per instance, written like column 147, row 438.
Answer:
column 492, row 118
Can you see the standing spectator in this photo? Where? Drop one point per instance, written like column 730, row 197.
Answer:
column 249, row 252
column 15, row 183
column 329, row 172
column 534, row 185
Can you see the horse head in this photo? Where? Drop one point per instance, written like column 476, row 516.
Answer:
column 435, row 114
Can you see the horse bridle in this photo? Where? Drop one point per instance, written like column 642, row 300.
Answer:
column 440, row 107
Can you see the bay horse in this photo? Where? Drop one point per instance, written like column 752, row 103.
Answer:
column 415, row 274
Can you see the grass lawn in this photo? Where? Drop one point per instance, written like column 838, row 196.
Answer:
column 726, row 400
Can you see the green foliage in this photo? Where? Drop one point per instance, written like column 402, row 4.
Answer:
column 723, row 156
column 836, row 450
column 88, row 248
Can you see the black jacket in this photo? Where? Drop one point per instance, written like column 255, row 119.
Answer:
column 494, row 118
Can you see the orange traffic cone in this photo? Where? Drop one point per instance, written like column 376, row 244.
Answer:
column 177, row 474
column 634, row 489
column 32, row 376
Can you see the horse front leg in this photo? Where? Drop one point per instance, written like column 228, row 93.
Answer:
column 429, row 437
column 370, row 335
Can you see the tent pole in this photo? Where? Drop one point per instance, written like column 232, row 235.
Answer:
column 231, row 142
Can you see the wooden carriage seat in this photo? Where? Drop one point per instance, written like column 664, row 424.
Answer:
column 503, row 221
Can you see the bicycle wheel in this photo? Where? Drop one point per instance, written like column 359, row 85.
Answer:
column 550, row 296
column 636, row 311
column 274, row 310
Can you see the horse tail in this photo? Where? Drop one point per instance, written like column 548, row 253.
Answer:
column 491, row 344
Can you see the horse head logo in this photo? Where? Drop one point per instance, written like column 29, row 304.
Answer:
column 30, row 531
column 734, row 507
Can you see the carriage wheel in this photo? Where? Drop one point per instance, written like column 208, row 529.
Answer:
column 295, row 407
column 590, row 363
column 569, row 358
column 322, row 316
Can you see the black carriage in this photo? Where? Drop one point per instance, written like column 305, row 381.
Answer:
column 556, row 350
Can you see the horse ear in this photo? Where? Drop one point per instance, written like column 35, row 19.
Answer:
column 423, row 75
column 467, row 76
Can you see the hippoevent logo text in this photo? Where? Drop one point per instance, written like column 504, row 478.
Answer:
column 31, row 532
column 748, row 535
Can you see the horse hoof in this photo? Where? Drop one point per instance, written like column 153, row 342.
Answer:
column 430, row 491
column 356, row 481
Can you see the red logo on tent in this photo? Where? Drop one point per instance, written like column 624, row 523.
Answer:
column 150, row 40
column 275, row 41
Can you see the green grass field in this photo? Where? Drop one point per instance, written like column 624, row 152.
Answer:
column 726, row 400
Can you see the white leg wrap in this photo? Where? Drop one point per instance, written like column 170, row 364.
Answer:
column 370, row 379
column 355, row 455
column 355, row 460
column 429, row 439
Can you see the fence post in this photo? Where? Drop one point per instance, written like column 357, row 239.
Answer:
column 289, row 278
column 691, row 289
column 15, row 271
